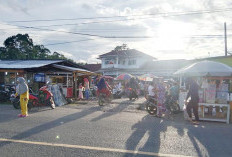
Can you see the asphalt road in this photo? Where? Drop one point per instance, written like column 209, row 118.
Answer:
column 117, row 129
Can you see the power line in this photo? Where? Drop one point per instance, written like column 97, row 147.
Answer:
column 68, row 42
column 107, row 17
column 203, row 36
column 132, row 19
column 93, row 35
column 83, row 34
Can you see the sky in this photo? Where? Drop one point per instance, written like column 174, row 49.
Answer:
column 84, row 29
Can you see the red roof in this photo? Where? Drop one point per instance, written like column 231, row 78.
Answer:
column 129, row 53
column 92, row 67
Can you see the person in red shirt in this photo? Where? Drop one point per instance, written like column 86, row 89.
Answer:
column 103, row 87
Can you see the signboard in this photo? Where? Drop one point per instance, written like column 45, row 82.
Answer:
column 39, row 77
column 210, row 93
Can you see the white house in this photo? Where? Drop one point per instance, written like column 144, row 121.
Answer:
column 129, row 61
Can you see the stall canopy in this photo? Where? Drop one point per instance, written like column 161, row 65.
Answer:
column 205, row 68
column 124, row 77
column 147, row 77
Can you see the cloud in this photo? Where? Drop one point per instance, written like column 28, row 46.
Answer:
column 173, row 36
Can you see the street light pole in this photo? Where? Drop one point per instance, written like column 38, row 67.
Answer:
column 225, row 38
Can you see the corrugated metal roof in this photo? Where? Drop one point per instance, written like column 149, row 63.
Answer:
column 24, row 64
column 73, row 69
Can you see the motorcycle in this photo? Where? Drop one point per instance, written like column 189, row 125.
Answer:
column 44, row 98
column 151, row 105
column 5, row 93
column 15, row 101
column 172, row 105
column 117, row 94
column 103, row 98
column 132, row 94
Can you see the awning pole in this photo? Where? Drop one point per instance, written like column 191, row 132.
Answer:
column 75, row 87
column 67, row 81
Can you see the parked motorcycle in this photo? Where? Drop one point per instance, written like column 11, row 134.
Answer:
column 117, row 94
column 151, row 105
column 44, row 98
column 172, row 105
column 132, row 94
column 5, row 92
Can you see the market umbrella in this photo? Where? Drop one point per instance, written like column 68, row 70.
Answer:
column 205, row 68
column 147, row 77
column 124, row 77
column 108, row 77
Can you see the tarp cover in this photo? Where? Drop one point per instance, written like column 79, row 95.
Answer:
column 58, row 97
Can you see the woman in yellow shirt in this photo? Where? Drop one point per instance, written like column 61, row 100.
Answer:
column 23, row 91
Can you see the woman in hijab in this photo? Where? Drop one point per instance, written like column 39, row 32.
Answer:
column 103, row 87
column 24, row 96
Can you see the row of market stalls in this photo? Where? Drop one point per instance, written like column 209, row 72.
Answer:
column 215, row 88
column 63, row 73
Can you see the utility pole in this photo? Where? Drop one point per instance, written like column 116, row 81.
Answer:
column 225, row 39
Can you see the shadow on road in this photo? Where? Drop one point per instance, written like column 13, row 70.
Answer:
column 207, row 140
column 119, row 108
column 147, row 126
column 52, row 124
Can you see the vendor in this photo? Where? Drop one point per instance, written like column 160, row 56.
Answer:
column 193, row 103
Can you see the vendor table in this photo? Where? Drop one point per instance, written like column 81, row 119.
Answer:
column 202, row 115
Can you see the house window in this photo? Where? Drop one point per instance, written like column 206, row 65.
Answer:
column 132, row 62
column 110, row 61
column 123, row 62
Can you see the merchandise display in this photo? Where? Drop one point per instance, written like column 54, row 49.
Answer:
column 213, row 99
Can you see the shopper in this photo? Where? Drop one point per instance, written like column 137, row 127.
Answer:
column 86, row 85
column 151, row 90
column 23, row 91
column 80, row 96
column 104, row 87
column 193, row 103
column 160, row 89
column 174, row 91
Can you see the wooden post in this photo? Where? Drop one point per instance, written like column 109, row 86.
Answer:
column 75, row 87
column 67, row 82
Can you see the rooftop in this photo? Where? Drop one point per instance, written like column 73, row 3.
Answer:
column 28, row 64
column 127, row 53
column 92, row 67
column 160, row 65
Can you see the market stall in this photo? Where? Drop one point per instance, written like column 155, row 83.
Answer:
column 72, row 79
column 215, row 81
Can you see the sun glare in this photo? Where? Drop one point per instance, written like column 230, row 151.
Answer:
column 172, row 35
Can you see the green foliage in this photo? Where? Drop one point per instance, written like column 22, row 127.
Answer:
column 21, row 46
column 121, row 48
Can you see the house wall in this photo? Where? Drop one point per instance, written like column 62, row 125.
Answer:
column 124, row 63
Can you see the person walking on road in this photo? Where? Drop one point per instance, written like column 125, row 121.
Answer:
column 160, row 89
column 193, row 103
column 23, row 91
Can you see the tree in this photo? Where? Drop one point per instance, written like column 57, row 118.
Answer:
column 21, row 46
column 57, row 55
column 18, row 47
column 121, row 48
column 40, row 52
